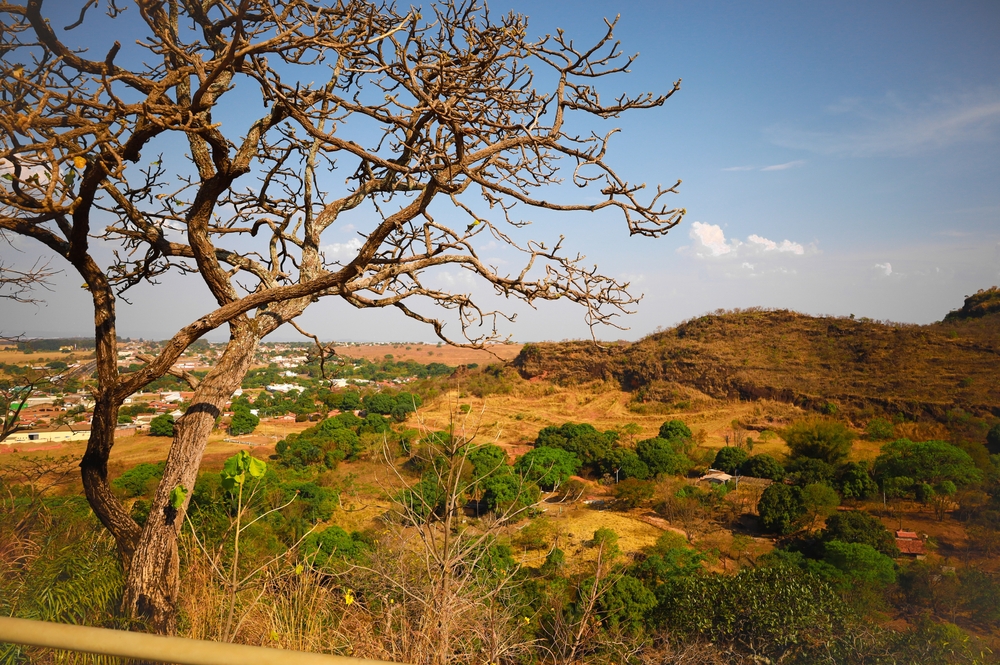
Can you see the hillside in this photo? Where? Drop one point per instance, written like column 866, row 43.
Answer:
column 860, row 366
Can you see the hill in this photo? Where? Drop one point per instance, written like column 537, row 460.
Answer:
column 823, row 363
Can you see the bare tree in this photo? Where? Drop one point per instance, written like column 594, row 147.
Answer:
column 438, row 121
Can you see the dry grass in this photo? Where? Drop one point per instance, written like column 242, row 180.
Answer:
column 431, row 353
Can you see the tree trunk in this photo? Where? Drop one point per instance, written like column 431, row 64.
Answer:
column 152, row 581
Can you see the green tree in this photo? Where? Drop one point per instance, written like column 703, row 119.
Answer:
column 162, row 425
column 930, row 462
column 854, row 481
column 623, row 463
column 662, row 456
column 860, row 562
column 763, row 466
column 819, row 501
column 780, row 508
column 242, row 422
column 855, row 526
column 819, row 438
column 806, row 470
column 548, row 467
column 674, row 429
column 729, row 459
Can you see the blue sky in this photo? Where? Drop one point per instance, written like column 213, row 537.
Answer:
column 837, row 158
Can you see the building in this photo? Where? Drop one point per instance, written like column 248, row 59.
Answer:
column 910, row 544
column 48, row 436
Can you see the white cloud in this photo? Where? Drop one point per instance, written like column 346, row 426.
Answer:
column 783, row 246
column 740, row 168
column 886, row 268
column 339, row 249
column 896, row 127
column 712, row 240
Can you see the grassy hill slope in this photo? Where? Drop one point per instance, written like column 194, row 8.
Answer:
column 819, row 363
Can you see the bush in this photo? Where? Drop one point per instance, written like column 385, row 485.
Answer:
column 729, row 459
column 822, row 439
column 630, row 492
column 139, row 480
column 762, row 466
column 780, row 507
column 333, row 543
column 880, row 429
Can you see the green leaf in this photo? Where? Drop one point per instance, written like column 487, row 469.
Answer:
column 177, row 496
column 257, row 467
column 8, row 177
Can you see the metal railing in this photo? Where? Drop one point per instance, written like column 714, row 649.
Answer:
column 142, row 646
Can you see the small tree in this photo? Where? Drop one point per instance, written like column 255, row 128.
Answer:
column 631, row 493
column 729, row 459
column 780, row 508
column 819, row 501
column 855, row 526
column 763, row 466
column 242, row 422
column 821, row 438
column 162, row 425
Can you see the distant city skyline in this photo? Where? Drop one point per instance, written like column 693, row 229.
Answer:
column 837, row 158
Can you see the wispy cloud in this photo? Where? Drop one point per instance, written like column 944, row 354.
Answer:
column 890, row 126
column 339, row 249
column 786, row 165
column 773, row 167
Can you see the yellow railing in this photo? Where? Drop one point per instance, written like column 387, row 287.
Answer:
column 142, row 646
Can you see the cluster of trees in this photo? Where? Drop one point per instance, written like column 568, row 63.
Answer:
column 821, row 477
column 601, row 453
column 341, row 437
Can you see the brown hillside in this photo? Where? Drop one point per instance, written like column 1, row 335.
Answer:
column 860, row 365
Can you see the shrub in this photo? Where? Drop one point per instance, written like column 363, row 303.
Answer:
column 139, row 479
column 822, row 439
column 763, row 466
column 880, row 429
column 729, row 459
column 606, row 538
column 631, row 492
column 333, row 543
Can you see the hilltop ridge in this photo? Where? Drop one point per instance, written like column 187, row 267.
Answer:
column 820, row 363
